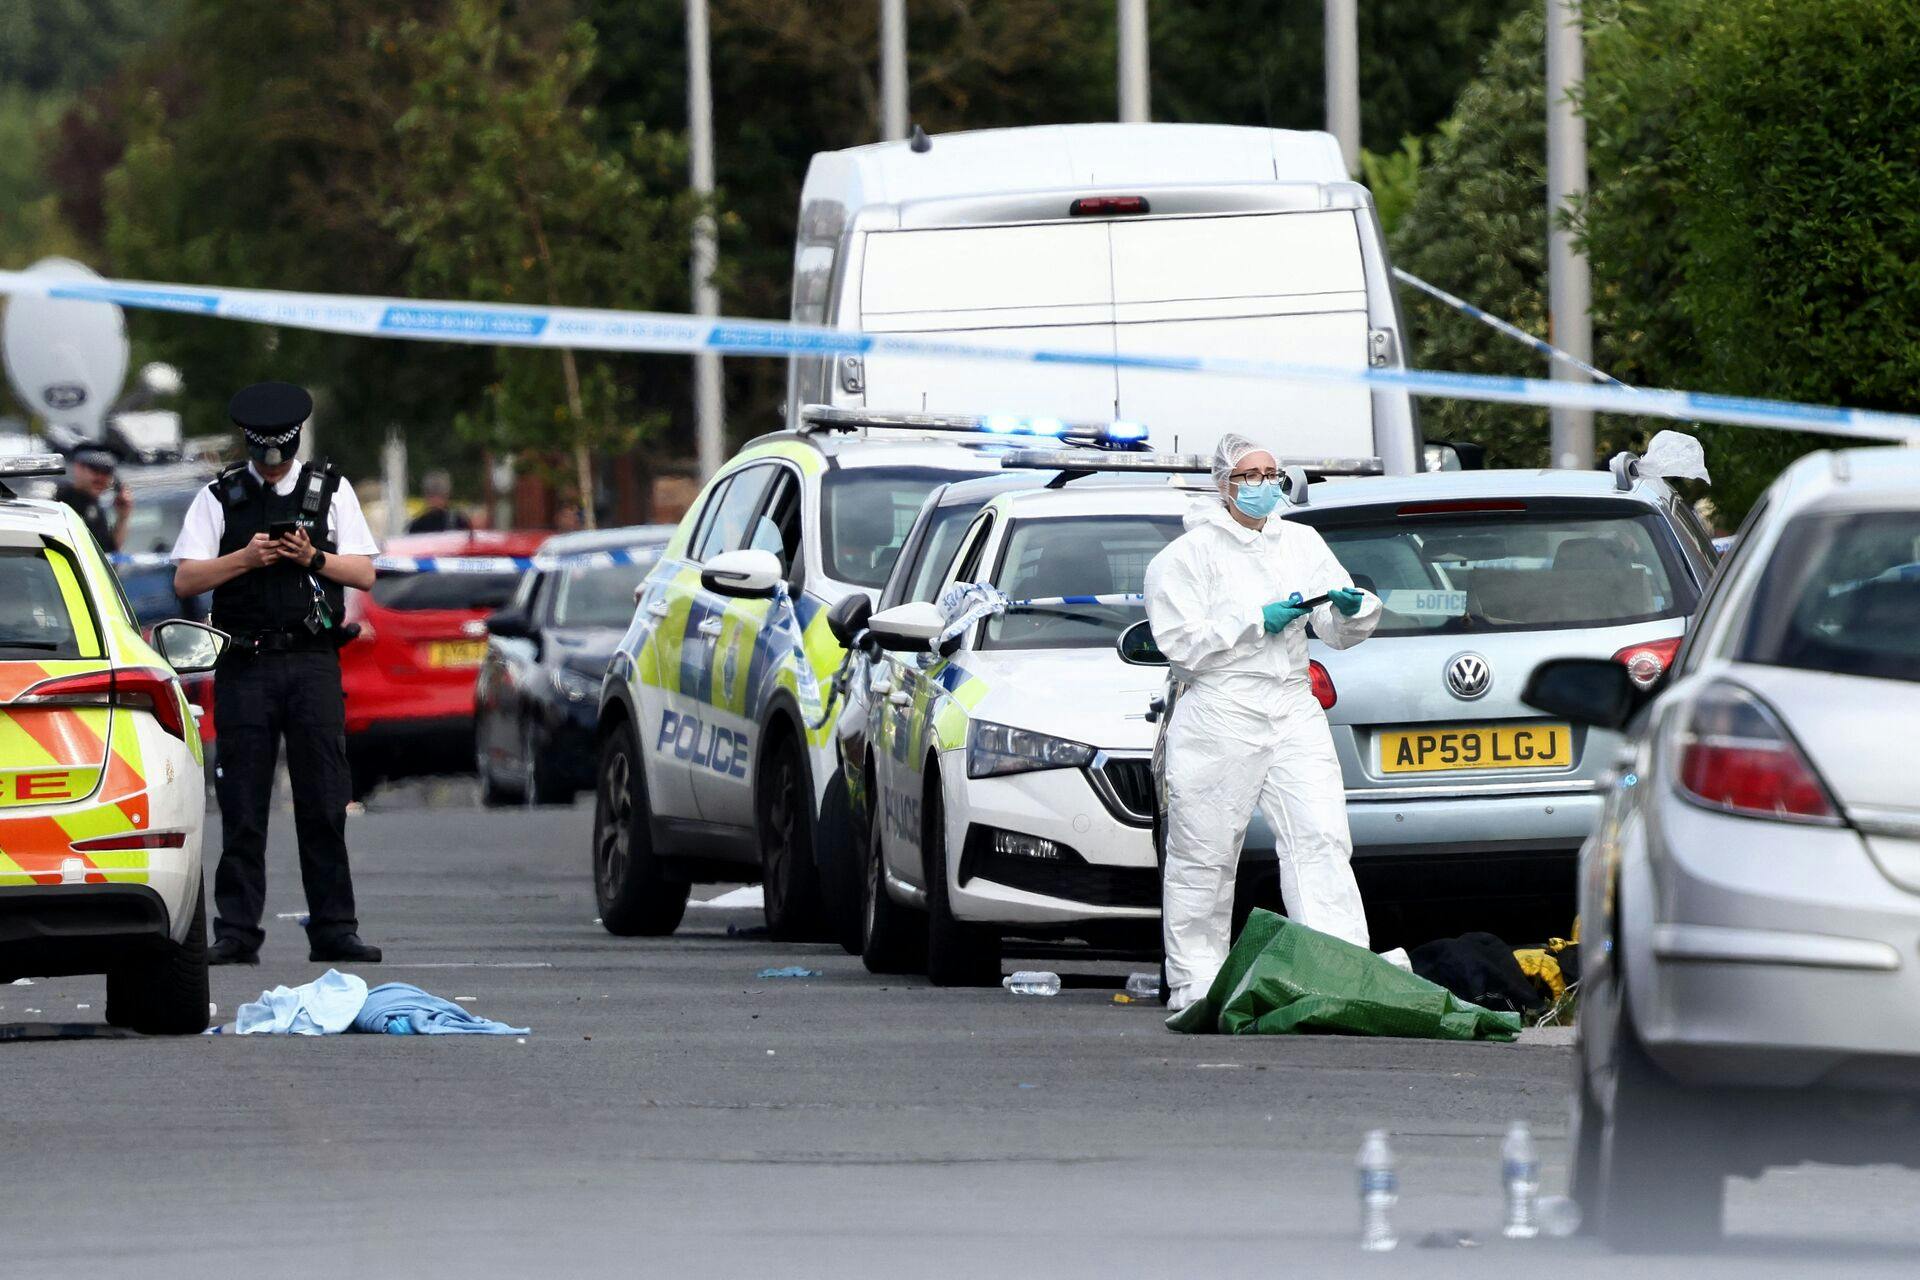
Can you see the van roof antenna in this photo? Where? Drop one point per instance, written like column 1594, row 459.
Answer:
column 919, row 142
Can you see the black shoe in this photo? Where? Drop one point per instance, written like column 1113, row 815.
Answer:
column 345, row 947
column 232, row 951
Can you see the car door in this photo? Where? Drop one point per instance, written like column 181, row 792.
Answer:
column 497, row 710
column 904, row 698
column 754, row 638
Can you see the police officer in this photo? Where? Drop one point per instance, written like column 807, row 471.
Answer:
column 277, row 543
column 90, row 474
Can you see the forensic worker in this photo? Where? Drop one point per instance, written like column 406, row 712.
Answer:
column 1248, row 730
column 277, row 542
column 91, row 472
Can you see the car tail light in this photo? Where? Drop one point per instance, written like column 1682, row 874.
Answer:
column 1736, row 756
column 200, row 693
column 1322, row 683
column 132, row 840
column 1647, row 662
column 1108, row 206
column 128, row 688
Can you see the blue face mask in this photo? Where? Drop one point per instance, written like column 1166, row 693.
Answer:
column 1257, row 501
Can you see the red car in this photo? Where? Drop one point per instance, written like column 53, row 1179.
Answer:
column 409, row 673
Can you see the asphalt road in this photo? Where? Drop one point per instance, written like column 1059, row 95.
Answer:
column 672, row 1114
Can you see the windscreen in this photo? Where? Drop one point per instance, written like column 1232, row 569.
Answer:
column 1086, row 556
column 1465, row 573
column 37, row 610
column 597, row 597
column 1841, row 594
column 411, row 592
column 866, row 513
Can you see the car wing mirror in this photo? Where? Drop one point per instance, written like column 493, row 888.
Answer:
column 1590, row 691
column 848, row 617
column 190, row 647
column 510, row 624
column 1137, row 646
column 745, row 575
column 907, row 627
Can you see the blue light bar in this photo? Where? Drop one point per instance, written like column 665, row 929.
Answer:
column 1126, row 432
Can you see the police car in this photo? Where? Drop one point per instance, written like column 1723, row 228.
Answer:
column 716, row 755
column 1006, row 748
column 101, row 786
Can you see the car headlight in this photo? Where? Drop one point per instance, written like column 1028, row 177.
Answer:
column 994, row 749
column 573, row 686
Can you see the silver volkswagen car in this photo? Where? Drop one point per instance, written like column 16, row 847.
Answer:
column 1468, row 808
column 1751, row 897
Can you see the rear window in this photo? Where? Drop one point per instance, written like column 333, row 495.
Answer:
column 409, row 592
column 43, row 611
column 866, row 514
column 1470, row 573
column 1842, row 594
column 1107, row 555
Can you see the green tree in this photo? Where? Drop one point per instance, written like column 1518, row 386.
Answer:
column 502, row 194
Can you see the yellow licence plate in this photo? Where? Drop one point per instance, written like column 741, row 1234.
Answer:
column 1537, row 745
column 456, row 653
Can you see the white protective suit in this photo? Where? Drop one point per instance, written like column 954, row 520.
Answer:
column 1248, row 731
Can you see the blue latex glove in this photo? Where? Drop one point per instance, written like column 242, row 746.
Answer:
column 1283, row 613
column 1346, row 599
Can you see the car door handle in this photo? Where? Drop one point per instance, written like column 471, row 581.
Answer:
column 709, row 626
column 899, row 697
column 659, row 608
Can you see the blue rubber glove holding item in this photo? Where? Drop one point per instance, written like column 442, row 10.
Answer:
column 1347, row 599
column 1283, row 613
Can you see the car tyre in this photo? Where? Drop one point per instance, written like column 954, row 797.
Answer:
column 840, row 855
column 1584, row 1133
column 493, row 795
column 540, row 788
column 1660, row 1186
column 789, row 880
column 958, row 954
column 893, row 938
column 163, row 991
column 636, row 898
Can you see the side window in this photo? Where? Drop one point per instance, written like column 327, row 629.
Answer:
column 731, row 523
column 714, row 498
column 523, row 594
column 1723, row 576
column 1694, row 530
column 966, row 567
column 777, row 528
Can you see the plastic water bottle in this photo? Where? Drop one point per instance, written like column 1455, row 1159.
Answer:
column 1143, row 986
column 1032, row 982
column 1520, row 1172
column 1379, row 1189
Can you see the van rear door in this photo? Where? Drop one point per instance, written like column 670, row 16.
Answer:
column 1285, row 287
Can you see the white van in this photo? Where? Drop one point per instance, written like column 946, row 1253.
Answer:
column 1129, row 239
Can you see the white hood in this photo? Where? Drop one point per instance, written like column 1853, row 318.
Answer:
column 1086, row 695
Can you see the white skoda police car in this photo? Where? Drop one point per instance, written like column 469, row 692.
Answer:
column 715, row 725
column 1006, row 756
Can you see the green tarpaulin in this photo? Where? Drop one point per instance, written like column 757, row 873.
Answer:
column 1283, row 978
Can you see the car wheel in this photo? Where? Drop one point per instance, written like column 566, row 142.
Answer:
column 540, row 788
column 634, row 896
column 163, row 991
column 893, row 938
column 1583, row 1149
column 958, row 954
column 788, row 878
column 840, row 855
column 1660, row 1185
column 492, row 794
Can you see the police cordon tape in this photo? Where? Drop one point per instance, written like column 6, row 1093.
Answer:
column 496, row 324
column 1511, row 330
column 455, row 564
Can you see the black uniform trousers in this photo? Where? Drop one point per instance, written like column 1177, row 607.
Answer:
column 258, row 700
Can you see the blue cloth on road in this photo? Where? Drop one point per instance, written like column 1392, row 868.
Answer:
column 402, row 1009
column 791, row 971
column 324, row 1007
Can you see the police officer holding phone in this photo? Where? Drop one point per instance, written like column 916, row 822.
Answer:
column 277, row 542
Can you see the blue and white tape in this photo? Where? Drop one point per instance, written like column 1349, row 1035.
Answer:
column 496, row 324
column 606, row 559
column 1513, row 331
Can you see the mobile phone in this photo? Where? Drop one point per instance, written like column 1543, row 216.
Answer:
column 1315, row 602
column 283, row 528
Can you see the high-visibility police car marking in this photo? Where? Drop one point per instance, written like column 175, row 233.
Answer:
column 708, row 745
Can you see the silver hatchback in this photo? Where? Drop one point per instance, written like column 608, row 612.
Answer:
column 1467, row 807
column 1751, row 898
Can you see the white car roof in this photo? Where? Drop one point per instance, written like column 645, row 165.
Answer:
column 32, row 516
column 1885, row 476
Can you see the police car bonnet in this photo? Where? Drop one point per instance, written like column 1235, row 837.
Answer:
column 270, row 415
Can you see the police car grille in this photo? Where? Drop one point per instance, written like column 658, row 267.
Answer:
column 1130, row 784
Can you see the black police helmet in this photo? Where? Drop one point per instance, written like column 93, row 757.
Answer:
column 270, row 415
